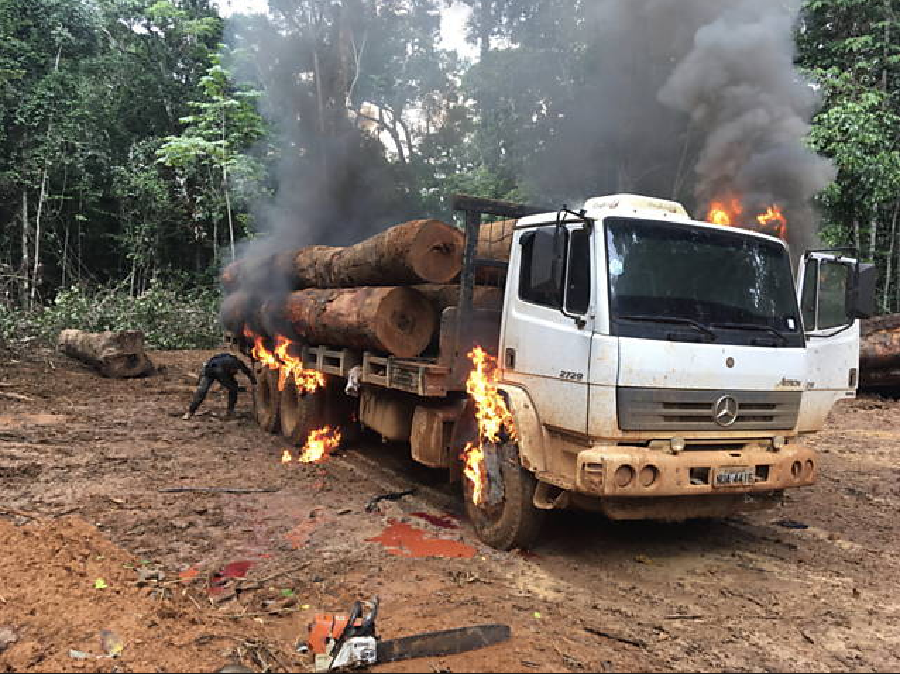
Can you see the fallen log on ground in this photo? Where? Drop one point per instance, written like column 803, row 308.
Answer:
column 395, row 320
column 113, row 354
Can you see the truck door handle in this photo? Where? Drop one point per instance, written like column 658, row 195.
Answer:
column 509, row 359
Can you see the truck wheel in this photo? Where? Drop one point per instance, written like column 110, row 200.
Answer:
column 514, row 522
column 301, row 413
column 342, row 410
column 267, row 400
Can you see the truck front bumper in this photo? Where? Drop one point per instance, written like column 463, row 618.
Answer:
column 625, row 472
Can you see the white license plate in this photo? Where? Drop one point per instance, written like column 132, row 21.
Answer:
column 730, row 477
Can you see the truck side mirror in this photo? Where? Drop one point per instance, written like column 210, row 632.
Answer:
column 865, row 282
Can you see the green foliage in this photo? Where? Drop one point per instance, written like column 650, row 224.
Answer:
column 171, row 315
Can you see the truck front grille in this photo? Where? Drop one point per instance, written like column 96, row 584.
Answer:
column 652, row 409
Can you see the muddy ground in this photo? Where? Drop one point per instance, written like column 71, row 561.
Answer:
column 89, row 543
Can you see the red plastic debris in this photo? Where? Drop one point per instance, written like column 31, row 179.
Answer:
column 442, row 522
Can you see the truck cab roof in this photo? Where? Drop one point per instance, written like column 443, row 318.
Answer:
column 638, row 206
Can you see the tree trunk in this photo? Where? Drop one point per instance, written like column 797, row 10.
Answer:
column 113, row 354
column 395, row 320
column 886, row 300
column 420, row 251
column 26, row 258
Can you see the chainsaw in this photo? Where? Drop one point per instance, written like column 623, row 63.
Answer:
column 341, row 642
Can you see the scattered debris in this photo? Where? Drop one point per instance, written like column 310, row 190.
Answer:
column 791, row 524
column 394, row 496
column 100, row 584
column 404, row 540
column 7, row 637
column 218, row 490
column 622, row 638
column 111, row 643
column 643, row 559
column 442, row 522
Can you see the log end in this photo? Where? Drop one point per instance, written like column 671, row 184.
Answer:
column 437, row 251
column 405, row 322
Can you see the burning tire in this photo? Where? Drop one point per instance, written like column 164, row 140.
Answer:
column 301, row 412
column 267, row 400
column 511, row 521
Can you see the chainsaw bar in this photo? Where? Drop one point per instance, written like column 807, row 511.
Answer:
column 445, row 642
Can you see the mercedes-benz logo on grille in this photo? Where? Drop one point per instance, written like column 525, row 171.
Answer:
column 725, row 411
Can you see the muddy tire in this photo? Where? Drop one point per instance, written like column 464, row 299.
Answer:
column 342, row 411
column 301, row 413
column 515, row 522
column 267, row 400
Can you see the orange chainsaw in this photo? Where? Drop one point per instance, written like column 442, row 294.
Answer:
column 349, row 641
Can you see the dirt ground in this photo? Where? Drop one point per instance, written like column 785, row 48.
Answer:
column 95, row 560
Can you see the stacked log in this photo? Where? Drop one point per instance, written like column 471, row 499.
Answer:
column 879, row 352
column 113, row 354
column 385, row 293
column 393, row 319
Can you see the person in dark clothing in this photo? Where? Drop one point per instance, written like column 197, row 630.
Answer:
column 220, row 368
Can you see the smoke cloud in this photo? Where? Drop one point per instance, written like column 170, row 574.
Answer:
column 691, row 100
column 681, row 99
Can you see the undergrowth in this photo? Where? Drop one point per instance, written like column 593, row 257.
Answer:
column 171, row 316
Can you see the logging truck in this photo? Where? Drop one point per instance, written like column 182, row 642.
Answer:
column 654, row 366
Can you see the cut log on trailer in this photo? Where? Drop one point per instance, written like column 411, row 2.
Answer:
column 395, row 320
column 495, row 240
column 420, row 251
column 443, row 296
column 236, row 310
column 113, row 354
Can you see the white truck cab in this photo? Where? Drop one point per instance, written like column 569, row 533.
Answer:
column 660, row 367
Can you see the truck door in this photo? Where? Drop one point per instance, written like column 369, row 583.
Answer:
column 826, row 291
column 547, row 326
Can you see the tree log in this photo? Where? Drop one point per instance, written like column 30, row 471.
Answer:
column 495, row 240
column 113, row 354
column 236, row 310
column 394, row 320
column 420, row 251
column 443, row 296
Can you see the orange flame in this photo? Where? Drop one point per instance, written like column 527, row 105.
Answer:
column 286, row 364
column 774, row 218
column 473, row 469
column 320, row 444
column 727, row 212
column 494, row 418
column 287, row 457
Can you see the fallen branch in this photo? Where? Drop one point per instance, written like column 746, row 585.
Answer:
column 217, row 490
column 615, row 637
column 16, row 396
column 20, row 513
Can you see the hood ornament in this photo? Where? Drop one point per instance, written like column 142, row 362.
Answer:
column 725, row 411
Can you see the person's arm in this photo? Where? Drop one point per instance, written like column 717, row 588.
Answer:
column 247, row 371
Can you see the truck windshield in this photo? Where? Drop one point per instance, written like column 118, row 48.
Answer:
column 686, row 283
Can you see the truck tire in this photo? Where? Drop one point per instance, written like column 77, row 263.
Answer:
column 267, row 399
column 301, row 413
column 341, row 410
column 515, row 522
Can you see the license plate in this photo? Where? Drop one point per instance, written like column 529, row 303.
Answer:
column 730, row 477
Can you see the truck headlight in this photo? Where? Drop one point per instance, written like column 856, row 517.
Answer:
column 778, row 442
column 677, row 444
